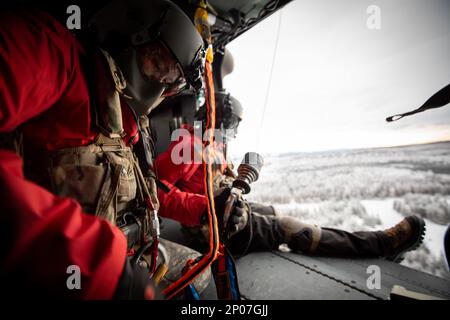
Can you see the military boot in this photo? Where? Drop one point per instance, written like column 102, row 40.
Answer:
column 407, row 235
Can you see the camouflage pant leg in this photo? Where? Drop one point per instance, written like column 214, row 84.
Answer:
column 197, row 237
column 178, row 255
column 263, row 209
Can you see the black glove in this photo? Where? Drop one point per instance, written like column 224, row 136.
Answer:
column 135, row 284
column 238, row 218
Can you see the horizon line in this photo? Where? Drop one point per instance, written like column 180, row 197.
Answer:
column 360, row 148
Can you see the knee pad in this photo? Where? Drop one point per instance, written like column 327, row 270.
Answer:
column 298, row 235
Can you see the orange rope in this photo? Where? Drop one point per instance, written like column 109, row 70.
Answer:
column 209, row 258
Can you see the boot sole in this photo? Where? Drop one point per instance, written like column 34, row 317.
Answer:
column 422, row 228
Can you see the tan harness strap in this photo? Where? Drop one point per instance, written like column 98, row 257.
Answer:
column 112, row 178
column 145, row 192
column 108, row 191
column 142, row 189
column 108, row 88
column 316, row 235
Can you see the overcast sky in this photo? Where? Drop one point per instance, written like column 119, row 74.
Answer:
column 335, row 81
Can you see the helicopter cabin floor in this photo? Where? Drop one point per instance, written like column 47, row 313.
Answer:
column 279, row 275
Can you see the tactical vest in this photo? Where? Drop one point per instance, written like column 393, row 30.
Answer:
column 105, row 176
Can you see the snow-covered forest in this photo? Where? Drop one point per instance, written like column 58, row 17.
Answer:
column 365, row 189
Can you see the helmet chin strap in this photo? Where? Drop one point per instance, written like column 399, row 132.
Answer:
column 155, row 104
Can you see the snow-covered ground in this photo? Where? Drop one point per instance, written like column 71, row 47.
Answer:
column 367, row 189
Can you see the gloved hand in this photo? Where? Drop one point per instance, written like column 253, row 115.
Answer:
column 238, row 218
column 135, row 284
